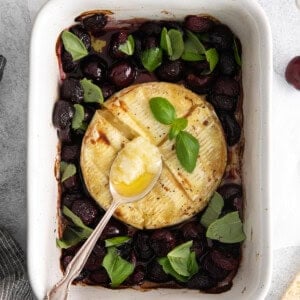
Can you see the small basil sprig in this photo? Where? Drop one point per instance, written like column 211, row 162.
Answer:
column 228, row 229
column 180, row 262
column 187, row 146
column 172, row 42
column 74, row 45
column 66, row 171
column 212, row 57
column 151, row 58
column 78, row 118
column 117, row 268
column 75, row 232
column 128, row 46
column 91, row 92
column 213, row 210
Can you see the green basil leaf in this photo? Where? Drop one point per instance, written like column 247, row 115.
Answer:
column 166, row 265
column 118, row 269
column 213, row 210
column 177, row 126
column 179, row 258
column 74, row 45
column 237, row 56
column 165, row 42
column 128, row 46
column 116, row 241
column 193, row 266
column 162, row 110
column 187, row 150
column 194, row 39
column 66, row 170
column 84, row 231
column 77, row 121
column 91, row 92
column 69, row 239
column 228, row 229
column 151, row 58
column 212, row 57
column 177, row 44
column 191, row 53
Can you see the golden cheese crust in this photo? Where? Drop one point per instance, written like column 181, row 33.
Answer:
column 178, row 195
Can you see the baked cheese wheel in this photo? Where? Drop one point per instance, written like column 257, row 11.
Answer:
column 178, row 195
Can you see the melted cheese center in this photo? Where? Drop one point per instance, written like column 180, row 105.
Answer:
column 135, row 167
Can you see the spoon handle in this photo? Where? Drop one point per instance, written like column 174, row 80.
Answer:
column 61, row 289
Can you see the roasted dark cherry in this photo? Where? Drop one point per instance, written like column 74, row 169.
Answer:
column 221, row 37
column 201, row 281
column 66, row 260
column 198, row 66
column 83, row 35
column 199, row 83
column 116, row 40
column 212, row 269
column 72, row 184
column 93, row 263
column 198, row 23
column 231, row 128
column 162, row 241
column 88, row 113
column 138, row 275
column 292, row 72
column 122, row 74
column 173, row 25
column 141, row 245
column 226, row 86
column 156, row 273
column 99, row 277
column 150, row 42
column 223, row 102
column 100, row 250
column 192, row 230
column 94, row 67
column 62, row 114
column 70, row 153
column 95, row 22
column 65, row 135
column 233, row 250
column 113, row 228
column 107, row 90
column 227, row 63
column 170, row 71
column 151, row 28
column 71, row 90
column 200, row 247
column 67, row 62
column 86, row 210
column 230, row 191
column 125, row 250
column 68, row 199
column 226, row 262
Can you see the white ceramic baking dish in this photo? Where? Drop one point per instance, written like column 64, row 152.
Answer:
column 249, row 23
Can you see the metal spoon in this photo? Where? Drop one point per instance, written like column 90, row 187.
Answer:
column 61, row 289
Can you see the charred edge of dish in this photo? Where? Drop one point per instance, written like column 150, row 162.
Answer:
column 90, row 13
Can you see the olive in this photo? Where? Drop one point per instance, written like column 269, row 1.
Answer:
column 82, row 34
column 227, row 63
column 162, row 241
column 71, row 90
column 170, row 71
column 198, row 23
column 231, row 128
column 122, row 74
column 221, row 37
column 201, row 281
column 95, row 22
column 226, row 86
column 62, row 114
column 67, row 62
column 94, row 67
column 86, row 210
column 223, row 102
column 70, row 153
column 116, row 40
